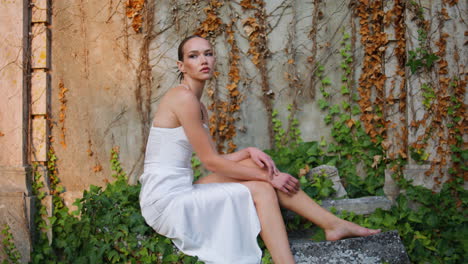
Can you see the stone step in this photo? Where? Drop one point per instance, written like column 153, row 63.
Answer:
column 384, row 247
column 360, row 206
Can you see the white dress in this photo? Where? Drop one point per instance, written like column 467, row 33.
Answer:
column 217, row 222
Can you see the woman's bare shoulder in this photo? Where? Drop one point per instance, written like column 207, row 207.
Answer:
column 180, row 94
column 168, row 112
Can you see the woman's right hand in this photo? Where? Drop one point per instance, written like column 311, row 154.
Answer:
column 285, row 183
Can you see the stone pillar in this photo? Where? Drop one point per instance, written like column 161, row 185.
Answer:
column 15, row 176
column 40, row 95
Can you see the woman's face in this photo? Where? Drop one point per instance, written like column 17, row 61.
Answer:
column 198, row 61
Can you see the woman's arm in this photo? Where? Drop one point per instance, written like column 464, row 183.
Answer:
column 238, row 155
column 259, row 157
column 186, row 107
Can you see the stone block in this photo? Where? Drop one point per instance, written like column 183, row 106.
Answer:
column 332, row 173
column 13, row 213
column 14, row 179
column 39, row 11
column 39, row 92
column 39, row 46
column 360, row 206
column 417, row 173
column 39, row 139
column 381, row 248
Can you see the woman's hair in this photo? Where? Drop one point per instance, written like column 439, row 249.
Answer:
column 180, row 51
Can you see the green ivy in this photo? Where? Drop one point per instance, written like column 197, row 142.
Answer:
column 292, row 159
column 459, row 154
column 9, row 247
column 351, row 147
column 281, row 137
column 107, row 227
column 433, row 226
column 421, row 57
column 419, row 155
column 428, row 95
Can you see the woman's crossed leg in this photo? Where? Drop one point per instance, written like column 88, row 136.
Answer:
column 273, row 231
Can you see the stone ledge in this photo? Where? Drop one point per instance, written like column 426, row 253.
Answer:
column 360, row 206
column 384, row 247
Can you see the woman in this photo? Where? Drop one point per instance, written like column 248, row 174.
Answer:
column 219, row 217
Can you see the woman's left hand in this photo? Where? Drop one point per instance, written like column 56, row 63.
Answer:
column 285, row 183
column 263, row 161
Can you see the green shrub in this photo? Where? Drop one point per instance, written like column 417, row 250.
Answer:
column 9, row 247
column 108, row 228
column 435, row 230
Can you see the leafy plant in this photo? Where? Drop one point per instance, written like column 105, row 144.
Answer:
column 433, row 226
column 419, row 155
column 107, row 227
column 421, row 57
column 428, row 95
column 292, row 159
column 9, row 247
column 282, row 138
column 351, row 147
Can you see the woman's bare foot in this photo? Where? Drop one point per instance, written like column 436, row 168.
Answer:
column 344, row 229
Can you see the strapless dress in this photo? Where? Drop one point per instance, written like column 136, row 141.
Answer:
column 217, row 222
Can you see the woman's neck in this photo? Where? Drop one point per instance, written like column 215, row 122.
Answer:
column 195, row 86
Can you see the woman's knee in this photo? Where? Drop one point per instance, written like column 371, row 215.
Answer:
column 262, row 191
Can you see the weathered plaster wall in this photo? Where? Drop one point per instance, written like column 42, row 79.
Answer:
column 283, row 17
column 428, row 118
column 110, row 61
column 12, row 129
column 95, row 57
column 14, row 203
column 107, row 77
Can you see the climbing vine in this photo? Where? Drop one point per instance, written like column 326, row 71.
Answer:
column 352, row 146
column 442, row 97
column 292, row 76
column 212, row 26
column 234, row 95
column 359, row 124
column 9, row 247
column 283, row 138
column 372, row 78
column 134, row 11
column 223, row 118
column 396, row 144
column 256, row 29
column 317, row 15
column 62, row 114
